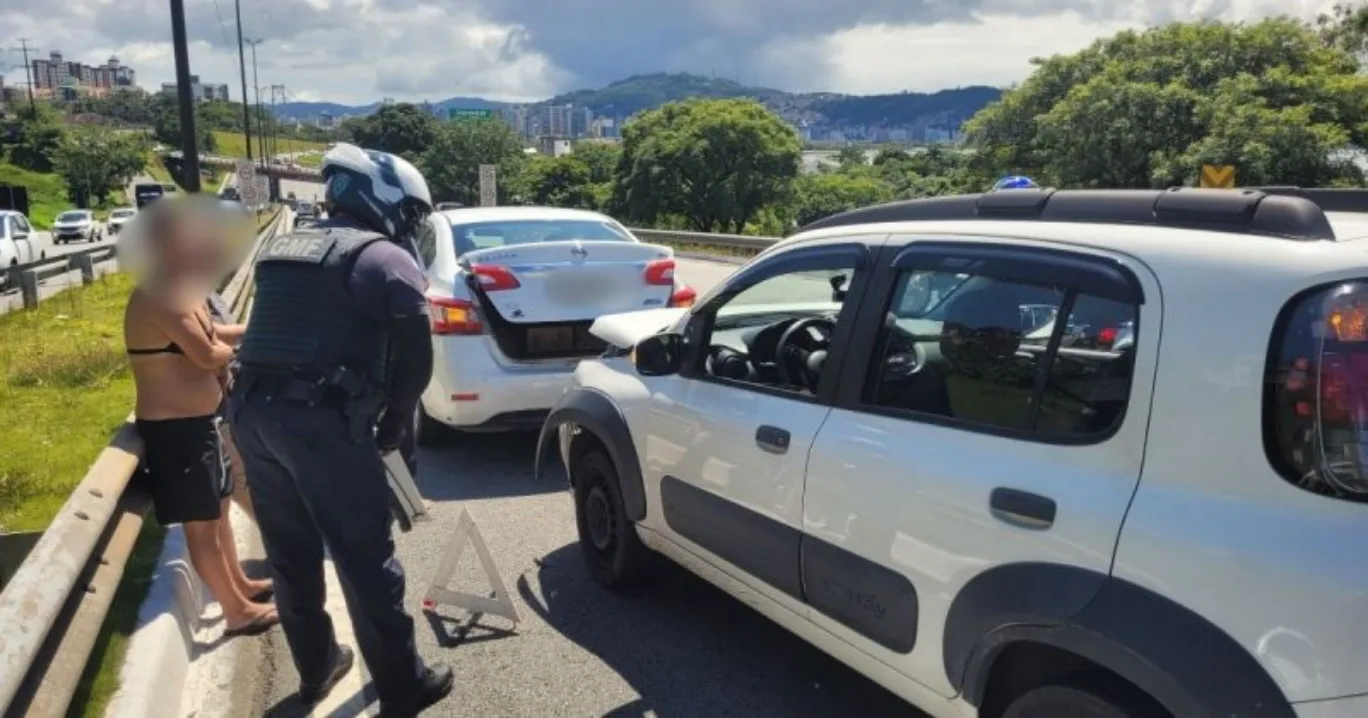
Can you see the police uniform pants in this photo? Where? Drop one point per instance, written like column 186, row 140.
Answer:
column 313, row 487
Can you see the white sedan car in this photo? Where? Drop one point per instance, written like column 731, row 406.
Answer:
column 512, row 292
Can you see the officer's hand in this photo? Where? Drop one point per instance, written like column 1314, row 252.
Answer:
column 388, row 435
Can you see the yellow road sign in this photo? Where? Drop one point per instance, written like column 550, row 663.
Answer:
column 1218, row 176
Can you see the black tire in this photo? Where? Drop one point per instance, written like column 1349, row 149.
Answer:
column 612, row 551
column 1087, row 697
column 427, row 431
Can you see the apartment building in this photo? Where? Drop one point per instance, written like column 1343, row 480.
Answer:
column 56, row 75
column 201, row 91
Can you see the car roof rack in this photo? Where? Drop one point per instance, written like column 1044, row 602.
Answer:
column 1329, row 199
column 1284, row 215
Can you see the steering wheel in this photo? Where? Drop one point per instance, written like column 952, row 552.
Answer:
column 809, row 360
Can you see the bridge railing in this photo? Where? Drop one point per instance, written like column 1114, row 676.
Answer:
column 52, row 608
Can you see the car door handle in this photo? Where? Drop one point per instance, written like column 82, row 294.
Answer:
column 1022, row 508
column 772, row 439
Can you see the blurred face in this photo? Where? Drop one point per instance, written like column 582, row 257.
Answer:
column 190, row 249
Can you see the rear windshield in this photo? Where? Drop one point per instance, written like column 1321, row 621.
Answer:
column 1316, row 391
column 483, row 235
column 72, row 217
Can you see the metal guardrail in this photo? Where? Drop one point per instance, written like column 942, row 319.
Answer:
column 26, row 277
column 733, row 243
column 52, row 609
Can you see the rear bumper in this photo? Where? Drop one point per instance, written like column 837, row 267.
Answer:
column 473, row 390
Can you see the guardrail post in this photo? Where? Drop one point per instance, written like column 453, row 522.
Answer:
column 28, row 286
column 86, row 264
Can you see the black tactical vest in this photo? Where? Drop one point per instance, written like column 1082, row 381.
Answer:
column 304, row 320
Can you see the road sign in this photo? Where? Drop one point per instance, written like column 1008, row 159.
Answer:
column 245, row 172
column 457, row 113
column 263, row 188
column 489, row 185
column 249, row 195
column 1218, row 176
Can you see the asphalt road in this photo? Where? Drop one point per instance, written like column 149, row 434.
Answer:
column 679, row 648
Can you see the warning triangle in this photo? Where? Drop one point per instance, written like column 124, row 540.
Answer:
column 440, row 594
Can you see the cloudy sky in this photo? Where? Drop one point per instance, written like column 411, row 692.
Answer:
column 358, row 51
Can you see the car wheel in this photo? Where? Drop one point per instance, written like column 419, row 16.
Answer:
column 612, row 551
column 1090, row 697
column 427, row 431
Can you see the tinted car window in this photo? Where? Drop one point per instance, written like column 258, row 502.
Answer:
column 1005, row 355
column 484, row 235
column 426, row 244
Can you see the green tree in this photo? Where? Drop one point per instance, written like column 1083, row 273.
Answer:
column 96, row 162
column 402, row 128
column 31, row 136
column 451, row 163
column 716, row 163
column 1146, row 109
column 851, row 156
column 565, row 181
column 822, row 195
column 1346, row 27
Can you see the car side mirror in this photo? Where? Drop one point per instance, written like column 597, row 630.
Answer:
column 659, row 355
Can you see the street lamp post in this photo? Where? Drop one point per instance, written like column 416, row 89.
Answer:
column 242, row 68
column 256, row 87
column 190, row 179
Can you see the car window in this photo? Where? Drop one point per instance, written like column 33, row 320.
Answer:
column 72, row 217
column 20, row 223
column 121, row 214
column 981, row 355
column 776, row 333
column 426, row 243
column 471, row 236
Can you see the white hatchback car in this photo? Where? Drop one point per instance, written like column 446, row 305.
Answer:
column 879, row 434
column 512, row 293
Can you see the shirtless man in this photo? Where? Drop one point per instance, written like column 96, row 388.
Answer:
column 178, row 356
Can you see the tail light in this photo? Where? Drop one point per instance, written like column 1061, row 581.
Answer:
column 1107, row 337
column 660, row 273
column 683, row 297
column 494, row 278
column 453, row 317
column 1316, row 427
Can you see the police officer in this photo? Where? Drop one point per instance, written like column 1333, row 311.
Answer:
column 336, row 354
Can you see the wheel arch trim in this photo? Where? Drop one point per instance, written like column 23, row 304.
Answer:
column 1187, row 664
column 594, row 412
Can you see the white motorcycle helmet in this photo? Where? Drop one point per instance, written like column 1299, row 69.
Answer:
column 381, row 191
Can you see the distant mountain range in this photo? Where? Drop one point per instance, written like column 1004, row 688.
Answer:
column 642, row 92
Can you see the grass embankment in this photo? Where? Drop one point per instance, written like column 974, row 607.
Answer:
column 234, row 144
column 47, row 193
column 65, row 388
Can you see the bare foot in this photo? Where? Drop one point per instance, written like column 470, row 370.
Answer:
column 258, row 618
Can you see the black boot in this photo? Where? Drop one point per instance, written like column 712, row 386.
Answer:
column 436, row 683
column 341, row 664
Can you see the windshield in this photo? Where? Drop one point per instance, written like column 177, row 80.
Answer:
column 72, row 217
column 483, row 235
column 122, row 214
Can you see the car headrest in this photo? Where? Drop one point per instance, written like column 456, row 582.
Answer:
column 982, row 325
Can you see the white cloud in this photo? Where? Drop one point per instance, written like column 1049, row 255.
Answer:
column 358, row 51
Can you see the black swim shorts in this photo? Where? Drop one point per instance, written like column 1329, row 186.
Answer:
column 185, row 468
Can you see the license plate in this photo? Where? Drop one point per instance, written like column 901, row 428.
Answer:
column 545, row 340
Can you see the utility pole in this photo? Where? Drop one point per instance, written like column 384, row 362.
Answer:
column 189, row 140
column 275, row 146
column 242, row 67
column 256, row 87
column 28, row 71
